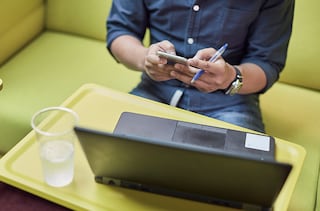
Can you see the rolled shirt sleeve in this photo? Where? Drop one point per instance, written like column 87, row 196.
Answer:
column 269, row 37
column 126, row 17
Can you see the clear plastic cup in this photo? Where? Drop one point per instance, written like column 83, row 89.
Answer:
column 55, row 135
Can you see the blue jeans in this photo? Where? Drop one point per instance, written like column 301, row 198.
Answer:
column 241, row 110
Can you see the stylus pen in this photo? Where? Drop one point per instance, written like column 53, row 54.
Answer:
column 212, row 59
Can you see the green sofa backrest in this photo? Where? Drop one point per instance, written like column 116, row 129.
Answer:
column 303, row 63
column 22, row 20
column 27, row 18
column 81, row 17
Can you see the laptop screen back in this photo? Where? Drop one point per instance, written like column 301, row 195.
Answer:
column 207, row 173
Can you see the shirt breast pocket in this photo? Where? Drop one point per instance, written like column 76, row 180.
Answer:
column 235, row 25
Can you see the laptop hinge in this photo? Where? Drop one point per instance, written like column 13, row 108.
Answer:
column 152, row 189
column 251, row 207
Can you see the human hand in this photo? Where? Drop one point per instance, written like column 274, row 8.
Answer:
column 155, row 66
column 217, row 75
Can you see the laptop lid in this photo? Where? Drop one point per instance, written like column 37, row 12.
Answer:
column 189, row 171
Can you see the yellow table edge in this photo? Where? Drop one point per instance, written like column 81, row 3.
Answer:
column 47, row 193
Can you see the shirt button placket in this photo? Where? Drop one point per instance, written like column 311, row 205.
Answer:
column 190, row 39
column 195, row 8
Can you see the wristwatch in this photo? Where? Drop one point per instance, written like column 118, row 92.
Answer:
column 236, row 84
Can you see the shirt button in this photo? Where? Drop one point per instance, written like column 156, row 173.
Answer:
column 190, row 40
column 196, row 8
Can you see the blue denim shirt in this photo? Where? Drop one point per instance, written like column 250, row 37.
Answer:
column 256, row 31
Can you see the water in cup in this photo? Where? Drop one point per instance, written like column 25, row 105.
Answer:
column 57, row 160
column 55, row 135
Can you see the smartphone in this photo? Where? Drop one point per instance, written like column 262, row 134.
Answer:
column 172, row 59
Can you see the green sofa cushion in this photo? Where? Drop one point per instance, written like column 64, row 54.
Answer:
column 293, row 114
column 46, row 72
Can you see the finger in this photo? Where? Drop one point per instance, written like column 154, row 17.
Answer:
column 164, row 46
column 204, row 85
column 186, row 69
column 160, row 72
column 201, row 64
column 202, row 55
column 205, row 54
column 167, row 46
column 210, row 67
column 181, row 77
column 154, row 59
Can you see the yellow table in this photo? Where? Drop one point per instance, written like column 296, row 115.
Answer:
column 100, row 108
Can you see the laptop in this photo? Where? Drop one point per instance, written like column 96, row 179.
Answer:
column 175, row 158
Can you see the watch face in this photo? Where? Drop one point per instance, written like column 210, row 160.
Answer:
column 235, row 90
column 235, row 87
column 236, row 84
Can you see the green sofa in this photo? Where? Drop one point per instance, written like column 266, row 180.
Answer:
column 48, row 49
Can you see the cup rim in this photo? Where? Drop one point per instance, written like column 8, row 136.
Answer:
column 61, row 108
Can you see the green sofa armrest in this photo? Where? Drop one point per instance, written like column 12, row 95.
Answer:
column 291, row 107
column 23, row 20
column 302, row 67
